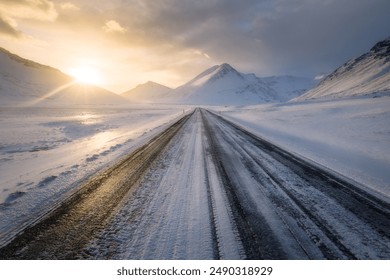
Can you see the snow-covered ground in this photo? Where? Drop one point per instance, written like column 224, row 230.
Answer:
column 350, row 136
column 46, row 152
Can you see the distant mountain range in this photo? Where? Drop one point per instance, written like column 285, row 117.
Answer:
column 147, row 92
column 367, row 74
column 224, row 85
column 24, row 82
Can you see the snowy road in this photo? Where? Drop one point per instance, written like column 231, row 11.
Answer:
column 207, row 189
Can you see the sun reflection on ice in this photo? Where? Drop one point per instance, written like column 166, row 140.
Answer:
column 87, row 118
column 104, row 139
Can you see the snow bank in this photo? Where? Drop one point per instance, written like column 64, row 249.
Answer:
column 350, row 136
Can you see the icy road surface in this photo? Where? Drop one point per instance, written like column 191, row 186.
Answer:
column 207, row 189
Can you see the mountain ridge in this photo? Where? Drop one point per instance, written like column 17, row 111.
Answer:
column 24, row 82
column 224, row 85
column 367, row 74
column 146, row 92
column 27, row 62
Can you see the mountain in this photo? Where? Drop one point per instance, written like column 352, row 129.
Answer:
column 148, row 92
column 224, row 85
column 367, row 74
column 24, row 82
column 289, row 87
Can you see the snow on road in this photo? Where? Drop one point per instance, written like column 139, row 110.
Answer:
column 295, row 209
column 206, row 188
column 179, row 210
column 217, row 192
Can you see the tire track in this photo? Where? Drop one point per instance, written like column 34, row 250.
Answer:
column 252, row 229
column 177, row 218
column 345, row 192
column 296, row 211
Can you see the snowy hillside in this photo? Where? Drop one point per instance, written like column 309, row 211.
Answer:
column 289, row 87
column 147, row 92
column 369, row 73
column 223, row 85
column 24, row 82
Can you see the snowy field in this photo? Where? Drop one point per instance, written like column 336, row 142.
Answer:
column 350, row 136
column 46, row 152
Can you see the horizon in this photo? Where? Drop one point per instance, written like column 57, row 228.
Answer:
column 170, row 43
column 80, row 75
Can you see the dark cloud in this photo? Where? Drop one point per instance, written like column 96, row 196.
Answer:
column 301, row 37
column 309, row 36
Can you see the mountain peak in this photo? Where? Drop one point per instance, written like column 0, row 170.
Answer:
column 226, row 66
column 382, row 48
column 146, row 92
column 223, row 70
column 149, row 84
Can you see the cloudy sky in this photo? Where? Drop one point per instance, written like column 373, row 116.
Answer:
column 127, row 42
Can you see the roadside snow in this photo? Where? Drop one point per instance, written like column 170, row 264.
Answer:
column 349, row 136
column 47, row 152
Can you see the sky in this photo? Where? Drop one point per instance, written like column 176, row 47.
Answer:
column 128, row 42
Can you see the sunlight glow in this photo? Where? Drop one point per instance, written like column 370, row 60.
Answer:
column 86, row 74
column 50, row 94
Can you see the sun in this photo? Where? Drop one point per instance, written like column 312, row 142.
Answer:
column 86, row 74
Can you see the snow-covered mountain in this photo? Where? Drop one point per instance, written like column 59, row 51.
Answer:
column 24, row 82
column 223, row 85
column 289, row 87
column 367, row 74
column 147, row 92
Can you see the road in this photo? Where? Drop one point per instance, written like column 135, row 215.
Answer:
column 207, row 189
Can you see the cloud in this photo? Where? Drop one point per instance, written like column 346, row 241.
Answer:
column 320, row 77
column 113, row 26
column 199, row 52
column 43, row 10
column 299, row 37
column 13, row 11
column 307, row 37
column 69, row 6
column 8, row 27
column 183, row 37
